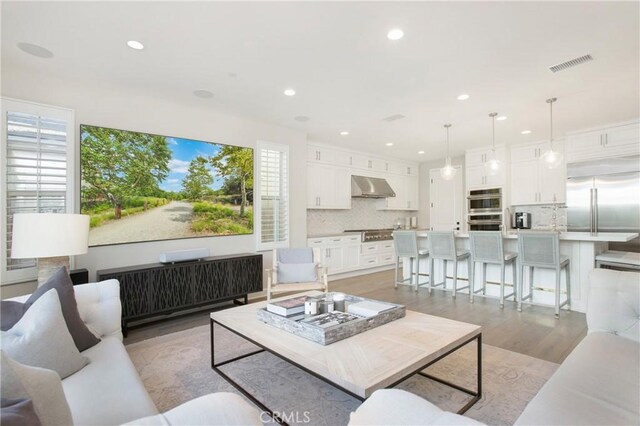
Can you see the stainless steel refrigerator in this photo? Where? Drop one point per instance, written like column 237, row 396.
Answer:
column 604, row 196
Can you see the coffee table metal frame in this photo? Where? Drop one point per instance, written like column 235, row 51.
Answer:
column 475, row 394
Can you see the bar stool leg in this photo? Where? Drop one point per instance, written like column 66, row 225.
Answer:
column 521, row 284
column 502, row 268
column 484, row 279
column 417, row 274
column 431, row 276
column 472, row 279
column 531, row 283
column 568, row 281
column 455, row 277
column 558, row 293
column 395, row 284
column 515, row 280
column 444, row 274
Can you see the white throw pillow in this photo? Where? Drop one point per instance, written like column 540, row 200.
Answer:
column 296, row 273
column 42, row 386
column 41, row 338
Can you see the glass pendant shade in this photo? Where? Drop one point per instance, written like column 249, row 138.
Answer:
column 493, row 165
column 448, row 172
column 551, row 159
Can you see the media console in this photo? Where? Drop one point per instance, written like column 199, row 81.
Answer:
column 153, row 290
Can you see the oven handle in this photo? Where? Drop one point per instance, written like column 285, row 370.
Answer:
column 484, row 222
column 484, row 197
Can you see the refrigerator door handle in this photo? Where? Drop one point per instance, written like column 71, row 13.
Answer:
column 591, row 211
column 595, row 211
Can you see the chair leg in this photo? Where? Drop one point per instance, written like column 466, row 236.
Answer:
column 515, row 280
column 431, row 276
column 455, row 277
column 531, row 282
column 444, row 274
column 395, row 284
column 521, row 289
column 558, row 272
column 417, row 273
column 472, row 278
column 484, row 279
column 568, row 281
column 502, row 268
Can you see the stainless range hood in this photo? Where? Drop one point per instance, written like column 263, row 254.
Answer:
column 369, row 187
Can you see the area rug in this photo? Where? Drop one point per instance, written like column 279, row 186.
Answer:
column 177, row 367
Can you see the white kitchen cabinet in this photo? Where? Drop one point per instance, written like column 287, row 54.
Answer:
column 446, row 201
column 476, row 172
column 320, row 154
column 328, row 187
column 531, row 181
column 351, row 256
column 407, row 195
column 333, row 259
column 339, row 253
column 613, row 141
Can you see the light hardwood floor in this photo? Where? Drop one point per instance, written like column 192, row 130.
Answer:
column 534, row 331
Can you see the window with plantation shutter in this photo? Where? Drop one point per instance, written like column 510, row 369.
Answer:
column 273, row 188
column 37, row 172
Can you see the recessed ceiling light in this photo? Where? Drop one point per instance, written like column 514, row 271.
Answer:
column 389, row 144
column 525, row 132
column 35, row 50
column 501, row 118
column 463, row 97
column 421, row 152
column 289, row 92
column 344, row 133
column 135, row 45
column 395, row 34
column 204, row 94
column 301, row 118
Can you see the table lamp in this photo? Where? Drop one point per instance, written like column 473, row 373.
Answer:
column 49, row 237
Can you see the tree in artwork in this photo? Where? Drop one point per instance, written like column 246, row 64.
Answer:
column 198, row 179
column 118, row 164
column 237, row 163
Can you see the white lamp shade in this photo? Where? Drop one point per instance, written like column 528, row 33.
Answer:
column 49, row 235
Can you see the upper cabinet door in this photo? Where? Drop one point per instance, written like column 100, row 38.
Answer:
column 524, row 182
column 317, row 153
column 475, row 157
column 553, row 184
column 475, row 176
column 525, row 153
column 622, row 135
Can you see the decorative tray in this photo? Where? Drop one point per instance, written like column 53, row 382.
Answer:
column 334, row 326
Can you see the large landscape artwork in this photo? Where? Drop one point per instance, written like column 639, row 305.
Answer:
column 143, row 187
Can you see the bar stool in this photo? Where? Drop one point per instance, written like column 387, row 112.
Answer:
column 487, row 247
column 406, row 246
column 442, row 246
column 542, row 250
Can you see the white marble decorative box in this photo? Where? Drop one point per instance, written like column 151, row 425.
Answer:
column 332, row 334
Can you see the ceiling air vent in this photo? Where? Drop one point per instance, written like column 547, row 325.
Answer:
column 571, row 63
column 393, row 118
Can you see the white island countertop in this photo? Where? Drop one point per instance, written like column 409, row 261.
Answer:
column 566, row 236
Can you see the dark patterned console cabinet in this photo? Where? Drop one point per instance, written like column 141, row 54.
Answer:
column 156, row 289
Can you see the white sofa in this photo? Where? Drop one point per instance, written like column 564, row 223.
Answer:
column 108, row 391
column 597, row 384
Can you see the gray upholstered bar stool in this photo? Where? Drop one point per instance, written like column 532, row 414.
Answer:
column 406, row 246
column 442, row 246
column 542, row 250
column 487, row 248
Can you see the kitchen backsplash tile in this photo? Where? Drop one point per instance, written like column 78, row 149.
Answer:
column 362, row 215
column 541, row 216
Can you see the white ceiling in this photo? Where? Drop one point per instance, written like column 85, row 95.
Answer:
column 347, row 74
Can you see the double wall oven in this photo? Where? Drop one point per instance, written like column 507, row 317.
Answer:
column 484, row 207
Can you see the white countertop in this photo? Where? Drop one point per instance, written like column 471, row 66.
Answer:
column 567, row 236
column 332, row 234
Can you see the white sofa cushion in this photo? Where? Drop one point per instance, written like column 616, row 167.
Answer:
column 390, row 407
column 614, row 303
column 41, row 386
column 108, row 391
column 99, row 307
column 221, row 408
column 41, row 338
column 598, row 384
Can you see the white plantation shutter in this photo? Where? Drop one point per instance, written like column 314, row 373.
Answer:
column 273, row 171
column 36, row 171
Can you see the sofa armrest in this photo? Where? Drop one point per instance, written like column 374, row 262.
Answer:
column 614, row 303
column 99, row 307
column 397, row 407
column 220, row 408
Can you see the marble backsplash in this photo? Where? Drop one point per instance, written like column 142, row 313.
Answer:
column 362, row 215
column 542, row 216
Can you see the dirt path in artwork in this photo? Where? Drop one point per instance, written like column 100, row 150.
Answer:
column 172, row 220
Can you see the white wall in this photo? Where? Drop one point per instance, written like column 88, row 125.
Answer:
column 423, row 187
column 125, row 109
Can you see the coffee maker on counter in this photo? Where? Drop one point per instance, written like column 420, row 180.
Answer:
column 521, row 220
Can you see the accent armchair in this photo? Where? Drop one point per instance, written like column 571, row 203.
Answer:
column 297, row 269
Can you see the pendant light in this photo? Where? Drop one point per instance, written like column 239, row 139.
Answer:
column 551, row 159
column 493, row 165
column 448, row 172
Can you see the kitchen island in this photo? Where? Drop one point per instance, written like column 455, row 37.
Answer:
column 581, row 248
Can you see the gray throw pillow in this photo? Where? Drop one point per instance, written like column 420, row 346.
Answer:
column 18, row 412
column 41, row 339
column 296, row 273
column 42, row 387
column 11, row 311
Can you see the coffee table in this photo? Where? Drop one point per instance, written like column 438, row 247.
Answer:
column 379, row 358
